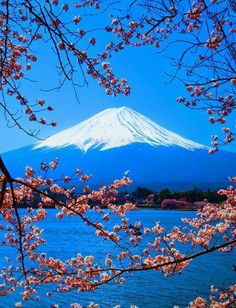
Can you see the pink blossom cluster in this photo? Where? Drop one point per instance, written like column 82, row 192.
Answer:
column 148, row 249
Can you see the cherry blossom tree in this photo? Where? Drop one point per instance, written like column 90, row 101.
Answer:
column 213, row 229
column 206, row 66
column 205, row 30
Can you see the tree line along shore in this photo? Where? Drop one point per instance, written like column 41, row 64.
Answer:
column 162, row 200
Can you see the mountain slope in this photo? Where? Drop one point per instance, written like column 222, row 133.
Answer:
column 152, row 167
column 116, row 127
column 120, row 139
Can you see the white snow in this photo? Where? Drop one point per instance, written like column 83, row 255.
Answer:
column 116, row 127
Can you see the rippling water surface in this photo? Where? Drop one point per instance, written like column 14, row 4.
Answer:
column 69, row 236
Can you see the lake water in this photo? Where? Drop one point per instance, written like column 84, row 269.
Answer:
column 149, row 289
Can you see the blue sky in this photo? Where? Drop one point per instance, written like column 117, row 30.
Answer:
column 152, row 95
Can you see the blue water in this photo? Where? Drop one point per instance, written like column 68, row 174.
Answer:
column 149, row 289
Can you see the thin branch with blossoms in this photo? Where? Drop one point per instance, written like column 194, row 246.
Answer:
column 132, row 252
column 205, row 63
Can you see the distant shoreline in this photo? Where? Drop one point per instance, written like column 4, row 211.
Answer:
column 158, row 207
column 138, row 207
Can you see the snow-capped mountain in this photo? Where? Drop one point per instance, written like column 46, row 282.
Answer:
column 116, row 127
column 120, row 139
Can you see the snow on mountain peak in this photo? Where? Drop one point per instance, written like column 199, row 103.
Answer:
column 116, row 127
